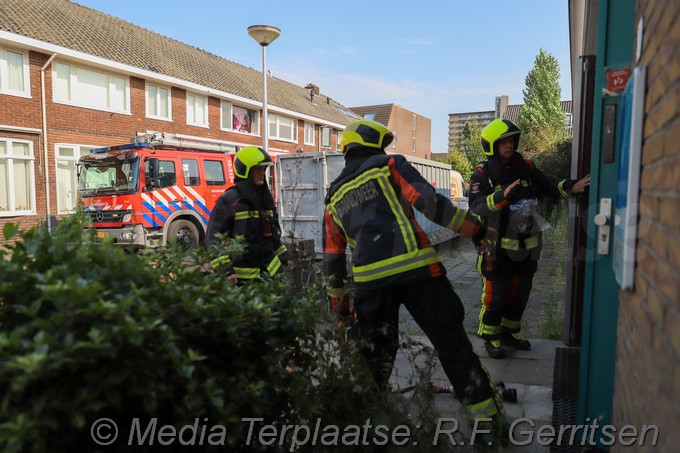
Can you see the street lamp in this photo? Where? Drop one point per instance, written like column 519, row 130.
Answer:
column 264, row 35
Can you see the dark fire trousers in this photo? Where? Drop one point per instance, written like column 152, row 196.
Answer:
column 439, row 312
column 506, row 287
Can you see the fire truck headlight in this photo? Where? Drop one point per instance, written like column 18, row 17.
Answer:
column 127, row 217
column 129, row 236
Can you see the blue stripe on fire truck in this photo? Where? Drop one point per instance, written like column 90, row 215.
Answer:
column 189, row 206
column 203, row 207
column 164, row 207
column 151, row 214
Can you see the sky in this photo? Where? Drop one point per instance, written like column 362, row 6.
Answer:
column 433, row 58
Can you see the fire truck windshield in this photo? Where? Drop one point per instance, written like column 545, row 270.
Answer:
column 113, row 176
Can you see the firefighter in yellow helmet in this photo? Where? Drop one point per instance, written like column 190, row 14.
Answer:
column 370, row 207
column 504, row 192
column 247, row 210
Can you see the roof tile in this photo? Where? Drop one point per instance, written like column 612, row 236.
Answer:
column 68, row 24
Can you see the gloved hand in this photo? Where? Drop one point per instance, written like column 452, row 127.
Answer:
column 491, row 238
column 348, row 326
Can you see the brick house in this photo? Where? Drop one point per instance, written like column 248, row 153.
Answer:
column 623, row 315
column 413, row 131
column 73, row 78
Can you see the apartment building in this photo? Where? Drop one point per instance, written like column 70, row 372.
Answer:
column 457, row 121
column 413, row 131
column 502, row 109
column 73, row 78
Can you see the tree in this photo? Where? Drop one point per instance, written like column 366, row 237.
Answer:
column 459, row 163
column 541, row 118
column 470, row 143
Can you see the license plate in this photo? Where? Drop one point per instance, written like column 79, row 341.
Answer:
column 102, row 234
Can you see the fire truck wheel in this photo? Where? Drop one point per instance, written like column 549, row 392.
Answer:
column 184, row 232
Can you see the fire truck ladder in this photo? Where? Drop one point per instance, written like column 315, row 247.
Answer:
column 157, row 139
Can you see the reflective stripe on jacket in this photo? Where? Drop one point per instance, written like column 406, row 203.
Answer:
column 486, row 198
column 238, row 218
column 370, row 208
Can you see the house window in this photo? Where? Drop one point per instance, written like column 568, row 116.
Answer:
column 158, row 103
column 67, row 177
column 568, row 118
column 197, row 110
column 282, row 127
column 309, row 133
column 14, row 73
column 369, row 116
column 337, row 146
column 414, row 146
column 17, row 188
column 239, row 119
column 91, row 89
column 414, row 122
column 326, row 137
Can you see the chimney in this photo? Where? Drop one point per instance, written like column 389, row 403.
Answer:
column 311, row 86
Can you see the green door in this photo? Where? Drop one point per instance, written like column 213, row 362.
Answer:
column 601, row 291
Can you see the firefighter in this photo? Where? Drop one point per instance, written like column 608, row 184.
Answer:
column 247, row 210
column 370, row 208
column 504, row 192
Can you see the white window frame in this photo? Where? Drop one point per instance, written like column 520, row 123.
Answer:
column 309, row 133
column 227, row 118
column 8, row 158
column 326, row 133
column 67, row 88
column 157, row 100
column 196, row 117
column 338, row 138
column 70, row 162
column 414, row 146
column 277, row 124
column 5, row 71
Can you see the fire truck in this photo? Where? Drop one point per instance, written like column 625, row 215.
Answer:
column 157, row 188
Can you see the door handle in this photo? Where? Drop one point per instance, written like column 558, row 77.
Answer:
column 603, row 222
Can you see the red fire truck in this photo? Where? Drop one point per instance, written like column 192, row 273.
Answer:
column 157, row 188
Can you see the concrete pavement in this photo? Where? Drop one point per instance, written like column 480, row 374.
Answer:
column 529, row 372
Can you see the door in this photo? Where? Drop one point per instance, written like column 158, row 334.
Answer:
column 601, row 291
column 578, row 207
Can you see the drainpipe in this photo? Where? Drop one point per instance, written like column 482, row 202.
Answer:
column 44, row 125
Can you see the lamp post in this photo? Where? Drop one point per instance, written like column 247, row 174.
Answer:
column 264, row 35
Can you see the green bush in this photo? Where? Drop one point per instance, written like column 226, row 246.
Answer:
column 90, row 331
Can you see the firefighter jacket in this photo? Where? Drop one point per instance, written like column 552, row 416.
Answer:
column 370, row 208
column 244, row 211
column 519, row 234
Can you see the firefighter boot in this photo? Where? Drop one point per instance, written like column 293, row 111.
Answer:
column 514, row 340
column 494, row 349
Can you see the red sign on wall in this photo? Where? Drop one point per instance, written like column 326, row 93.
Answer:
column 617, row 79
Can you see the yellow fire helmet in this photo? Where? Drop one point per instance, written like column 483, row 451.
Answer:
column 249, row 157
column 498, row 130
column 370, row 134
